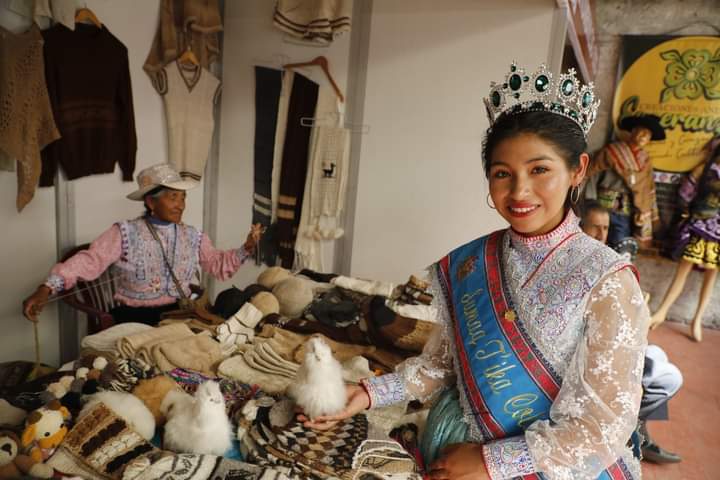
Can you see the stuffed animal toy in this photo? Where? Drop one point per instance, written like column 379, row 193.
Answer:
column 44, row 430
column 14, row 464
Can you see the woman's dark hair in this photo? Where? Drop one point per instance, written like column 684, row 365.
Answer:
column 152, row 193
column 563, row 133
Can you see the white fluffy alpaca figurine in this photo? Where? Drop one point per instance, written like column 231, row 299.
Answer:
column 319, row 388
column 197, row 424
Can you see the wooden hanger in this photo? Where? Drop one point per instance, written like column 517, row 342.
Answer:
column 84, row 15
column 322, row 63
column 188, row 57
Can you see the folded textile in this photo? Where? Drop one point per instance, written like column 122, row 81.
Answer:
column 198, row 352
column 194, row 324
column 418, row 312
column 187, row 466
column 99, row 446
column 258, row 363
column 333, row 308
column 107, row 340
column 367, row 287
column 237, row 368
column 349, row 450
column 248, row 315
column 140, row 344
column 391, row 330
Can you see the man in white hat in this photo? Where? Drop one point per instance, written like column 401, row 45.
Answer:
column 153, row 258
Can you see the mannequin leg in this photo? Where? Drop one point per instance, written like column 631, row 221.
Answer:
column 705, row 295
column 676, row 287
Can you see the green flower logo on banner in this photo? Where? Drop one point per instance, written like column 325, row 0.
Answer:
column 691, row 74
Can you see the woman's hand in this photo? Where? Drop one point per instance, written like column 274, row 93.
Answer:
column 460, row 461
column 253, row 237
column 33, row 305
column 357, row 401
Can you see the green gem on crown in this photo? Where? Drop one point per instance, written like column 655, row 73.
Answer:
column 568, row 87
column 515, row 82
column 495, row 97
column 541, row 83
column 586, row 99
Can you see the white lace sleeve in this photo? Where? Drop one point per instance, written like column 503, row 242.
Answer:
column 420, row 377
column 596, row 409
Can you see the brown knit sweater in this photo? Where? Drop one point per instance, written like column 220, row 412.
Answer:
column 26, row 120
column 88, row 82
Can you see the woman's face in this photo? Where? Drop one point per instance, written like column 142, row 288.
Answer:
column 169, row 206
column 529, row 182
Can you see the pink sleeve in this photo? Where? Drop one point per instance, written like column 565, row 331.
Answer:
column 87, row 264
column 221, row 264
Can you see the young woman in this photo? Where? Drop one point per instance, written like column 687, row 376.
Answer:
column 145, row 286
column 537, row 363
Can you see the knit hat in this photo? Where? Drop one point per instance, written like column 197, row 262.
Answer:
column 272, row 276
column 161, row 175
column 228, row 302
column 294, row 294
column 266, row 303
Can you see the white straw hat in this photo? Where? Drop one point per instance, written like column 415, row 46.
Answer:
column 160, row 175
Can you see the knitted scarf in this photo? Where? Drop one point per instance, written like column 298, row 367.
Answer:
column 303, row 100
column 267, row 96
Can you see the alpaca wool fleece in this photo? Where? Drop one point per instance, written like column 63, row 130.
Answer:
column 266, row 302
column 294, row 294
column 152, row 391
column 273, row 276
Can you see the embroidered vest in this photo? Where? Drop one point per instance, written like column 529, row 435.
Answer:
column 141, row 271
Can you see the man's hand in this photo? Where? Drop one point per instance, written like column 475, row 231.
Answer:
column 460, row 461
column 33, row 305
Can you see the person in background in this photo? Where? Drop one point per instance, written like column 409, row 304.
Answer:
column 661, row 379
column 153, row 258
column 620, row 178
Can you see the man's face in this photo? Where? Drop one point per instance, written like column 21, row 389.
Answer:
column 596, row 224
column 640, row 136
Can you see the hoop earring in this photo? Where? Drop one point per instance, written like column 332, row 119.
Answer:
column 575, row 194
column 487, row 200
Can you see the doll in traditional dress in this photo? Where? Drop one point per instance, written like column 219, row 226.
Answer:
column 698, row 241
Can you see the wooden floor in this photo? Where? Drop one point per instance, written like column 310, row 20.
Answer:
column 693, row 430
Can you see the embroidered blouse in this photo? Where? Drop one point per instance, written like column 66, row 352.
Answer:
column 142, row 278
column 595, row 341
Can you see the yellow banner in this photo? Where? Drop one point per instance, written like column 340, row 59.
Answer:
column 679, row 81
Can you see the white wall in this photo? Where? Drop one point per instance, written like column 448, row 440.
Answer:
column 28, row 243
column 250, row 38
column 421, row 187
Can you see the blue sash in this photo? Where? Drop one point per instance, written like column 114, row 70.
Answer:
column 506, row 381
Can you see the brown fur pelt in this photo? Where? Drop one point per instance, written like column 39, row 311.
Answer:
column 152, row 392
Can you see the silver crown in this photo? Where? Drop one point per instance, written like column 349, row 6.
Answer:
column 540, row 93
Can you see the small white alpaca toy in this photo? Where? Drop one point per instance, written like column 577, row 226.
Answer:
column 197, row 424
column 319, row 388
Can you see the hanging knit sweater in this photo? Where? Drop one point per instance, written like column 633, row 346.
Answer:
column 181, row 21
column 189, row 95
column 26, row 119
column 88, row 81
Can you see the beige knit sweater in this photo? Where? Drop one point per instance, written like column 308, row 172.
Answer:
column 189, row 96
column 26, row 118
